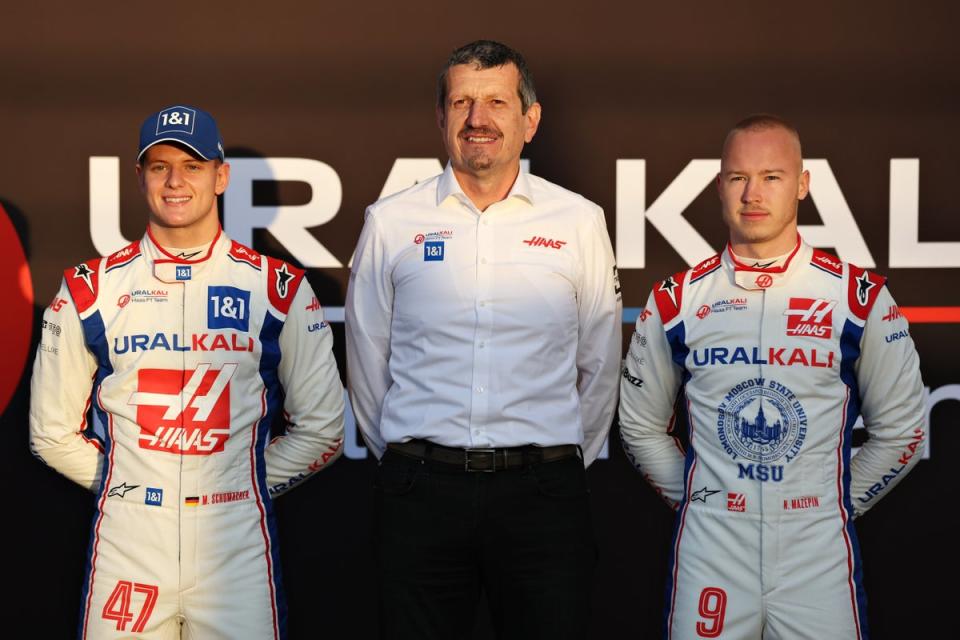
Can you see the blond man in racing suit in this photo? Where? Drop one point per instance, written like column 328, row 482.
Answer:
column 185, row 345
column 774, row 348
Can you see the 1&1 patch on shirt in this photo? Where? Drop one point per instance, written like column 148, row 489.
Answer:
column 433, row 251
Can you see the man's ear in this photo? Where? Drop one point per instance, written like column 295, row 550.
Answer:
column 533, row 121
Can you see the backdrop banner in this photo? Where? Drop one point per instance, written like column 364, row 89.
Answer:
column 322, row 114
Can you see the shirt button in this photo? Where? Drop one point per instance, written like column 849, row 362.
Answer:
column 480, row 389
column 483, row 261
column 482, row 344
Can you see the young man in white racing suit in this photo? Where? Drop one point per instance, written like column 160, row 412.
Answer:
column 185, row 345
column 775, row 349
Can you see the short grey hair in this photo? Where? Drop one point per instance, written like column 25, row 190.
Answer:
column 485, row 54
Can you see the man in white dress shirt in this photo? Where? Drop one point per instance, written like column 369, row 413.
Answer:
column 484, row 342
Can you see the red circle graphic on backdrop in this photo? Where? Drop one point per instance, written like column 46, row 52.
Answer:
column 16, row 293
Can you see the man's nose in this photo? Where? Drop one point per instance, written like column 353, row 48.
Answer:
column 751, row 191
column 174, row 177
column 477, row 116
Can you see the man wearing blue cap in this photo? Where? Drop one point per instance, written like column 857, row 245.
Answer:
column 186, row 345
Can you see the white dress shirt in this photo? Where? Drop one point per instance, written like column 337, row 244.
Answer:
column 484, row 329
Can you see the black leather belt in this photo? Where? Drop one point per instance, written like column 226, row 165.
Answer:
column 487, row 460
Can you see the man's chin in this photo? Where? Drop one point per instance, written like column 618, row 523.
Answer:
column 755, row 233
column 173, row 221
column 481, row 163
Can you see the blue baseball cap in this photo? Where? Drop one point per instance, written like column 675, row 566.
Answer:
column 189, row 126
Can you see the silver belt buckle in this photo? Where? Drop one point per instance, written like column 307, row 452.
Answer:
column 493, row 458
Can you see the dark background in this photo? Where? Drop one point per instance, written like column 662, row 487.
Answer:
column 352, row 84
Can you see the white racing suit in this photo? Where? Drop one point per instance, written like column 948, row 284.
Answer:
column 185, row 365
column 774, row 366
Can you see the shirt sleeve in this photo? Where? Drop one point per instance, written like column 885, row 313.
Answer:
column 648, row 394
column 892, row 405
column 599, row 337
column 60, row 395
column 313, row 403
column 369, row 311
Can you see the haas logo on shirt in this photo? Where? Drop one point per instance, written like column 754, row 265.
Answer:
column 807, row 317
column 540, row 241
column 184, row 412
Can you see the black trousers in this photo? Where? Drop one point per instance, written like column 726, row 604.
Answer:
column 523, row 536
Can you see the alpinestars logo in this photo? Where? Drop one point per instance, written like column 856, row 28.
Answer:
column 807, row 317
column 540, row 241
column 121, row 490
column 703, row 494
column 184, row 412
column 283, row 279
column 668, row 286
column 83, row 271
column 863, row 288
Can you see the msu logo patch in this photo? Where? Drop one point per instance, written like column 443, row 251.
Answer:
column 761, row 420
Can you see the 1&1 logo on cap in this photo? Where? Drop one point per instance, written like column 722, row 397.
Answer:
column 176, row 119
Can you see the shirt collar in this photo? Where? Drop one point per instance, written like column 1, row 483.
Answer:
column 448, row 187
column 755, row 264
column 168, row 268
column 749, row 277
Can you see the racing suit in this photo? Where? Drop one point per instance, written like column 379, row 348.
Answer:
column 774, row 365
column 185, row 364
